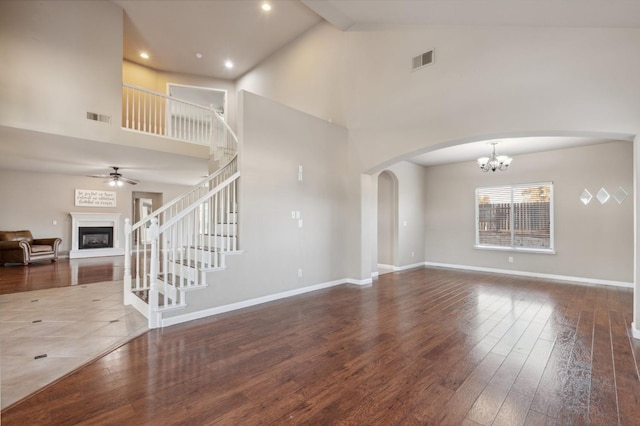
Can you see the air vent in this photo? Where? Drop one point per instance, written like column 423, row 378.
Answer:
column 99, row 117
column 422, row 60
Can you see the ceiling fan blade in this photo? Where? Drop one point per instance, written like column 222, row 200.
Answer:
column 129, row 181
column 115, row 176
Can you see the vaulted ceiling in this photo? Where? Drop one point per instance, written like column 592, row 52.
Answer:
column 173, row 31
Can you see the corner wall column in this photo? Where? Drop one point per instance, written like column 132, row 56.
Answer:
column 635, row 325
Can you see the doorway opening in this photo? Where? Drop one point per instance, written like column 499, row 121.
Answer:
column 145, row 203
column 387, row 221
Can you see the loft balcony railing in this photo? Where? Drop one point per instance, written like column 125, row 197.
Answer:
column 155, row 113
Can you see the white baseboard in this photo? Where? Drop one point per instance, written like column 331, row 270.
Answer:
column 251, row 302
column 365, row 281
column 634, row 331
column 412, row 266
column 532, row 274
column 394, row 268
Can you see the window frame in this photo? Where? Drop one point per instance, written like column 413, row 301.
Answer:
column 512, row 187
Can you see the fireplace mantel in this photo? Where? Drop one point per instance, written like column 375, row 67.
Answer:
column 95, row 220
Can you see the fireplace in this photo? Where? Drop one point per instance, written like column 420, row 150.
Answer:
column 93, row 237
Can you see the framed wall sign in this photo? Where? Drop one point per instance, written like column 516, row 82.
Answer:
column 95, row 198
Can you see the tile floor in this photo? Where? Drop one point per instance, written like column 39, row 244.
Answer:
column 70, row 325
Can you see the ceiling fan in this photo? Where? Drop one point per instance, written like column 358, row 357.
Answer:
column 115, row 178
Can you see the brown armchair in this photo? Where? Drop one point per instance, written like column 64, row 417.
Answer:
column 20, row 247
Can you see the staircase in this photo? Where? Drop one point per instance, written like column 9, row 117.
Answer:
column 169, row 253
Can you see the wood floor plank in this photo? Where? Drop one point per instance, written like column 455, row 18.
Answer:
column 549, row 397
column 15, row 278
column 429, row 346
column 626, row 371
column 514, row 409
column 529, row 377
column 462, row 400
column 629, row 408
column 577, row 388
column 486, row 407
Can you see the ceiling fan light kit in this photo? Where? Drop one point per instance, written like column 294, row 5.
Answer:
column 115, row 179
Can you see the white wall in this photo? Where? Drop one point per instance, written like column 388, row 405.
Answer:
column 34, row 200
column 484, row 82
column 275, row 140
column 60, row 60
column 593, row 241
column 310, row 74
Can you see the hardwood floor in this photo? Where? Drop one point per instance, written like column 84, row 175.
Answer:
column 15, row 278
column 428, row 346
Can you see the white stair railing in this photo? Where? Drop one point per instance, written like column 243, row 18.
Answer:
column 174, row 257
column 171, row 250
column 151, row 112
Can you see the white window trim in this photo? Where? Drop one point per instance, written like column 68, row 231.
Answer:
column 552, row 245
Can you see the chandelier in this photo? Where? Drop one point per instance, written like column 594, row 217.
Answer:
column 499, row 162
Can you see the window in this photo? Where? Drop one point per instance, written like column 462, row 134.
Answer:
column 515, row 217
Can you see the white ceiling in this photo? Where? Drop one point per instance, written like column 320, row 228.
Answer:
column 357, row 14
column 25, row 150
column 173, row 31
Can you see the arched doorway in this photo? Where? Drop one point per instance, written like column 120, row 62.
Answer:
column 387, row 221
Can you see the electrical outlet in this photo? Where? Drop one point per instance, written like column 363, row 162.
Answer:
column 510, row 259
column 299, row 223
column 299, row 273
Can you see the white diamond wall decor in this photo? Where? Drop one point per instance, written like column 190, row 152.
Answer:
column 620, row 195
column 603, row 196
column 585, row 197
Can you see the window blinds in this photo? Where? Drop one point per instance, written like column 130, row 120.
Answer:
column 515, row 216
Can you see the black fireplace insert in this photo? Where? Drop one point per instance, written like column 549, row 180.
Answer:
column 92, row 237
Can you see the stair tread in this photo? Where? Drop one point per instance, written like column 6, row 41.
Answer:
column 209, row 249
column 189, row 263
column 169, row 278
column 144, row 296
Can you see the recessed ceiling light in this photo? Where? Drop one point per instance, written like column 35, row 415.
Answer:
column 199, row 55
column 144, row 55
column 266, row 6
column 228, row 64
